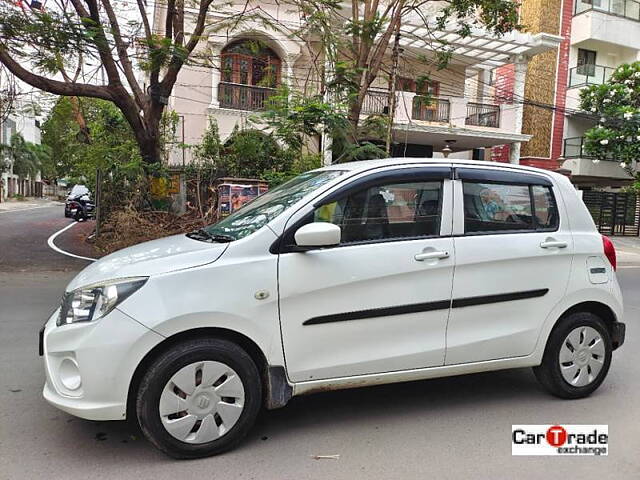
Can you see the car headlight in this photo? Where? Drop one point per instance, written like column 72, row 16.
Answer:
column 94, row 301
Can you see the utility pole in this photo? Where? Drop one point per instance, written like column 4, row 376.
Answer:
column 392, row 87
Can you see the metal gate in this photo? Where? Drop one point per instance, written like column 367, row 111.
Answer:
column 614, row 213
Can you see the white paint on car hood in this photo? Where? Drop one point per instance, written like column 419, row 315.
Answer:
column 150, row 258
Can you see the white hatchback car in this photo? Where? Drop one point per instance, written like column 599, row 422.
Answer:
column 350, row 275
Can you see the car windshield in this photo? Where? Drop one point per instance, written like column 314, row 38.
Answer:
column 257, row 213
column 78, row 190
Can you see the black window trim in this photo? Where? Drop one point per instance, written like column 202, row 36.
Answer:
column 488, row 175
column 401, row 175
column 538, row 181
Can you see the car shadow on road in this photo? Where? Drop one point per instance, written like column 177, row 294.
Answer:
column 327, row 411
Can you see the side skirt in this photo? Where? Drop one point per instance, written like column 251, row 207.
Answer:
column 314, row 386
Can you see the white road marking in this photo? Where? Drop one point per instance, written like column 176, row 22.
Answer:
column 59, row 250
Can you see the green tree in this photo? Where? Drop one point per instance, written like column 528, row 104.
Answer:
column 357, row 40
column 293, row 118
column 616, row 106
column 23, row 156
column 252, row 153
column 52, row 49
column 111, row 145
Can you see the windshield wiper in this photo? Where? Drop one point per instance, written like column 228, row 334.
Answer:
column 202, row 234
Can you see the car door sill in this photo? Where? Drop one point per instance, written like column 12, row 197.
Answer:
column 339, row 383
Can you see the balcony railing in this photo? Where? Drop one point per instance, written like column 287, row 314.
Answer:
column 589, row 75
column 574, row 147
column 437, row 110
column 243, row 97
column 483, row 115
column 376, row 102
column 622, row 8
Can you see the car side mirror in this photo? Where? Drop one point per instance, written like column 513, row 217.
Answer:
column 318, row 234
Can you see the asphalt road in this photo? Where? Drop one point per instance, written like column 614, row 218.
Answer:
column 23, row 240
column 454, row 428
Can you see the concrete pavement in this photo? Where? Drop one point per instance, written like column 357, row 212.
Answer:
column 26, row 204
column 453, row 428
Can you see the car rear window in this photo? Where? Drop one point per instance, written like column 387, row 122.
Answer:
column 503, row 207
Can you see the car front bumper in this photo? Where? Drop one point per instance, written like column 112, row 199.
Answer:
column 89, row 365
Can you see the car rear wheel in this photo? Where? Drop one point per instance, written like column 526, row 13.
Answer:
column 200, row 398
column 577, row 357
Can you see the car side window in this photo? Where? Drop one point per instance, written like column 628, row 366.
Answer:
column 503, row 207
column 496, row 207
column 389, row 211
column 546, row 211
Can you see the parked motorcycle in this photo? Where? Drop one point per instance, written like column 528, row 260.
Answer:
column 82, row 208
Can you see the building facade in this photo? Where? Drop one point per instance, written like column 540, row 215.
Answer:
column 597, row 36
column 250, row 60
column 29, row 127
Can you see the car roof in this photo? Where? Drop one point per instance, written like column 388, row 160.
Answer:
column 387, row 162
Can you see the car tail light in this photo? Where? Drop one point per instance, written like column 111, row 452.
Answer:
column 609, row 251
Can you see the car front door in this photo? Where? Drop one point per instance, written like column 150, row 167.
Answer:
column 513, row 259
column 378, row 301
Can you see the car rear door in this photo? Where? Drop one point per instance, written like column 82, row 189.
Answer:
column 379, row 301
column 513, row 259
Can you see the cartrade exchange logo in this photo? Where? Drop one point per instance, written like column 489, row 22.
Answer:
column 560, row 440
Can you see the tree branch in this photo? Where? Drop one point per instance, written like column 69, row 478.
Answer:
column 168, row 21
column 178, row 22
column 177, row 61
column 383, row 44
column 53, row 86
column 121, row 48
column 100, row 40
column 145, row 20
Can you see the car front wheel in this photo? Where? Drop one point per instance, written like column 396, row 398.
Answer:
column 577, row 357
column 200, row 398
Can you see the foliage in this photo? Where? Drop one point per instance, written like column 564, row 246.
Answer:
column 292, row 117
column 24, row 157
column 300, row 165
column 60, row 50
column 111, row 146
column 251, row 153
column 357, row 51
column 616, row 103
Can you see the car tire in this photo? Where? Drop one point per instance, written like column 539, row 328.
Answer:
column 575, row 371
column 218, row 425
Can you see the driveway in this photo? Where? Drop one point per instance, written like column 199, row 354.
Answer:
column 453, row 428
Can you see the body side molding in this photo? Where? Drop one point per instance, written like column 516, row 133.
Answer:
column 425, row 307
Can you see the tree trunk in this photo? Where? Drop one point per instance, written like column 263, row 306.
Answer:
column 354, row 115
column 149, row 147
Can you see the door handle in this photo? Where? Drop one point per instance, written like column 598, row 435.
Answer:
column 420, row 257
column 553, row 244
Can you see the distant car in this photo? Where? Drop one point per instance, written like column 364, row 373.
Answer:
column 76, row 191
column 342, row 277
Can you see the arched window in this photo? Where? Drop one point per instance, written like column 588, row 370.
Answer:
column 251, row 62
